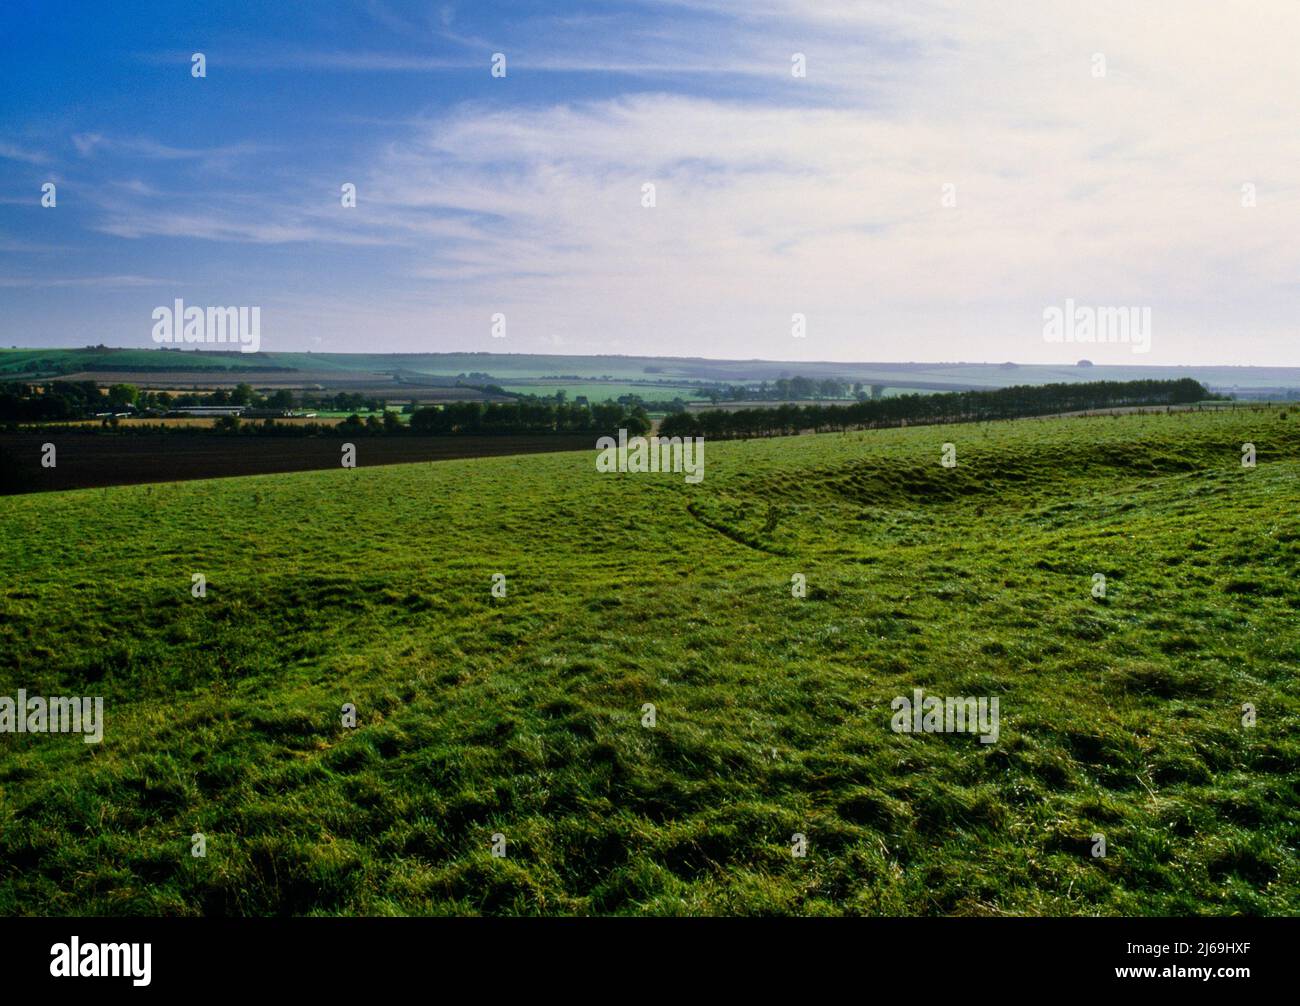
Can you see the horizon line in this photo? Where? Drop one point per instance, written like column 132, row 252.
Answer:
column 632, row 356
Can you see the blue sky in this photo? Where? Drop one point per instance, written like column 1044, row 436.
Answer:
column 775, row 195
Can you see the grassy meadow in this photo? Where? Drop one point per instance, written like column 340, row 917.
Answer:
column 522, row 716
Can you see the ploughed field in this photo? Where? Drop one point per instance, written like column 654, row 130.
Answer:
column 85, row 460
column 521, row 717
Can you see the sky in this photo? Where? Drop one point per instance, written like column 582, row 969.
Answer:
column 943, row 175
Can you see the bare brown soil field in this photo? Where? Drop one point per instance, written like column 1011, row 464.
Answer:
column 88, row 460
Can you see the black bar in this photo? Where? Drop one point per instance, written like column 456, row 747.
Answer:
column 944, row 956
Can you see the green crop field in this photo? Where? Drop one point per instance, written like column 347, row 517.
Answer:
column 523, row 716
column 16, row 363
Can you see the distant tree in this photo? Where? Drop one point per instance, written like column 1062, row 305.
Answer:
column 638, row 423
column 120, row 395
column 426, row 420
column 242, row 395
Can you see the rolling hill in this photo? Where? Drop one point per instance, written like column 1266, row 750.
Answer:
column 524, row 716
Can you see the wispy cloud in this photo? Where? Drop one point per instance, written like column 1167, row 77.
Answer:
column 250, row 227
column 88, row 144
column 100, row 282
column 12, row 152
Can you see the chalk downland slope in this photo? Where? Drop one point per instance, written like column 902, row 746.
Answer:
column 522, row 716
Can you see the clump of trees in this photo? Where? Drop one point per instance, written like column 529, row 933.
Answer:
column 942, row 407
column 22, row 402
column 343, row 401
column 242, row 394
column 59, row 400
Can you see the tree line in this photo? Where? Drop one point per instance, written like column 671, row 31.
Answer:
column 941, row 407
column 529, row 415
column 65, row 400
column 450, row 419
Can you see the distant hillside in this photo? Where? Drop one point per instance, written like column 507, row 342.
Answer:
column 19, row 364
column 26, row 363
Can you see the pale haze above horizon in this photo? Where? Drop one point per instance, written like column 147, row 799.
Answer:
column 920, row 181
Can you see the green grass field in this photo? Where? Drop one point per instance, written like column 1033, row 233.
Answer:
column 16, row 363
column 522, row 715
